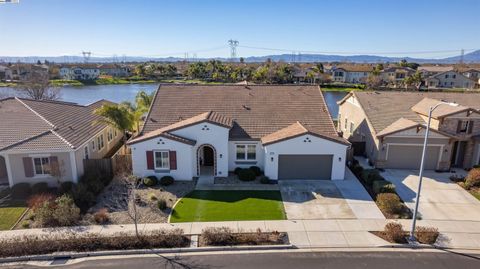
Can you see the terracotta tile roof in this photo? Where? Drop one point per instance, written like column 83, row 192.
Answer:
column 45, row 141
column 355, row 67
column 398, row 125
column 255, row 110
column 384, row 108
column 435, row 68
column 424, row 105
column 27, row 119
column 294, row 130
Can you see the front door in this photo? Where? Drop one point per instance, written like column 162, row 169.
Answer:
column 208, row 156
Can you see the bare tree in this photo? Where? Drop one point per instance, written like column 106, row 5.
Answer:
column 37, row 86
column 57, row 170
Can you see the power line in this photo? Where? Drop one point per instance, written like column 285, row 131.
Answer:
column 354, row 52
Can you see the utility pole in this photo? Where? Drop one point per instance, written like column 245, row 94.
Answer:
column 233, row 49
column 86, row 56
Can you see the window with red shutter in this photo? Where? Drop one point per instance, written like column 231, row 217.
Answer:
column 150, row 165
column 173, row 160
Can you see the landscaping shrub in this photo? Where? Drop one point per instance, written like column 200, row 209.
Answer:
column 162, row 204
column 44, row 214
column 246, row 175
column 264, row 180
column 101, row 216
column 224, row 236
column 166, row 180
column 389, row 202
column 371, row 175
column 65, row 213
column 218, row 236
column 45, row 244
column 237, row 170
column 36, row 200
column 25, row 224
column 394, row 232
column 256, row 170
column 473, row 178
column 83, row 197
column 150, row 181
column 383, row 186
column 21, row 190
column 152, row 196
column 457, row 178
column 40, row 187
column 426, row 235
column 357, row 169
column 66, row 187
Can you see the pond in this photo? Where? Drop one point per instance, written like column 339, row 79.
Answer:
column 126, row 92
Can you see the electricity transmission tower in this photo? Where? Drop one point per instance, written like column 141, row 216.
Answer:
column 233, row 48
column 86, row 56
column 462, row 54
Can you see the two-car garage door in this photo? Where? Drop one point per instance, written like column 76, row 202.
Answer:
column 305, row 166
column 410, row 156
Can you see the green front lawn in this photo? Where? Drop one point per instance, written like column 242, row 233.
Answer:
column 229, row 206
column 9, row 214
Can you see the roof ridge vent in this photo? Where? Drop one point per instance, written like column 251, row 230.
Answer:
column 246, row 107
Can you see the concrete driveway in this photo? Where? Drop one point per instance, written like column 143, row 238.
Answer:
column 326, row 199
column 440, row 198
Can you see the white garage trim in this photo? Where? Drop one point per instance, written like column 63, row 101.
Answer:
column 418, row 145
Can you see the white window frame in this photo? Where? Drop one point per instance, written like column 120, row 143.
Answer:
column 109, row 135
column 352, row 127
column 345, row 126
column 100, row 142
column 245, row 153
column 467, row 125
column 167, row 167
column 43, row 174
column 86, row 152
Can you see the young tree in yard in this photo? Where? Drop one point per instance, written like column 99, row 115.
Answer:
column 413, row 80
column 38, row 87
column 373, row 81
column 132, row 183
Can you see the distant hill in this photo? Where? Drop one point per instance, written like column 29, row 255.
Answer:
column 472, row 57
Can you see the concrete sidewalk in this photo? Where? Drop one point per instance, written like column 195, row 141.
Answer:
column 302, row 233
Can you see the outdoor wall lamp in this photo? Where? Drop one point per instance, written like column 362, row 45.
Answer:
column 221, row 155
column 339, row 159
column 271, row 159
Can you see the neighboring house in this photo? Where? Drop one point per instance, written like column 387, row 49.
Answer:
column 396, row 75
column 114, row 70
column 354, row 73
column 5, row 73
column 38, row 136
column 209, row 130
column 309, row 75
column 389, row 128
column 449, row 79
column 430, row 70
column 80, row 72
column 23, row 72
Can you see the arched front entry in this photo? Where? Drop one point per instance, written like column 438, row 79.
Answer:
column 206, row 160
column 3, row 172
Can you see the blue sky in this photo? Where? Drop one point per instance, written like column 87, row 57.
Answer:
column 161, row 28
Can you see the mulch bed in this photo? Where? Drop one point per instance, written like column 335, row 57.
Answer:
column 249, row 239
column 383, row 235
column 37, row 245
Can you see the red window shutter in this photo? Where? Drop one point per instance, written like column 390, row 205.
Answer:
column 28, row 166
column 173, row 160
column 150, row 165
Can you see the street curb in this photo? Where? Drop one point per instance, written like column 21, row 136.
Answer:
column 76, row 255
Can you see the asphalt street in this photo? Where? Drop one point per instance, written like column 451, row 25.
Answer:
column 285, row 260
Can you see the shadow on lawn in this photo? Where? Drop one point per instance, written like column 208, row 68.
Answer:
column 233, row 196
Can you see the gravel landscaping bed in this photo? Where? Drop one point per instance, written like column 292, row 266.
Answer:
column 115, row 200
column 233, row 179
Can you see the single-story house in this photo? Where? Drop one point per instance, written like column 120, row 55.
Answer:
column 209, row 130
column 47, row 141
column 389, row 127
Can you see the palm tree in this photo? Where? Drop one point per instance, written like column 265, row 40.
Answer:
column 142, row 104
column 116, row 116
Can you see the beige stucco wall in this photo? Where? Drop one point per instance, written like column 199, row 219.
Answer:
column 363, row 131
column 95, row 153
column 18, row 171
